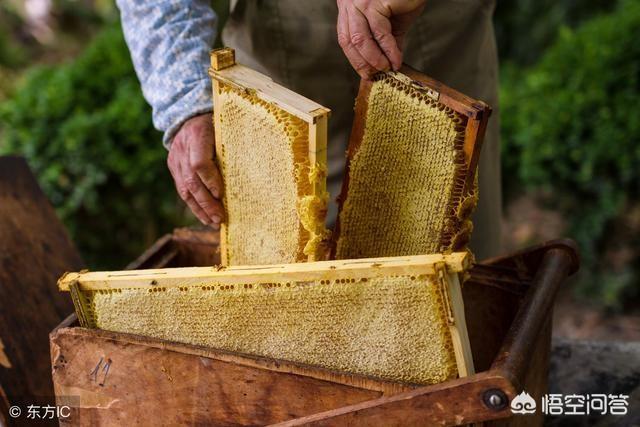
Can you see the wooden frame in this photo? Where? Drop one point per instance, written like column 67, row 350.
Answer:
column 306, row 271
column 476, row 112
column 508, row 304
column 225, row 71
column 445, row 269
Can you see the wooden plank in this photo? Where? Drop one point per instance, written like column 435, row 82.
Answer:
column 318, row 134
column 448, row 96
column 458, row 329
column 265, row 363
column 489, row 311
column 455, row 402
column 34, row 250
column 178, row 387
column 515, row 355
column 247, row 80
column 217, row 133
column 322, row 270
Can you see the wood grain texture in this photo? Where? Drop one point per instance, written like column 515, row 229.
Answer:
column 455, row 402
column 34, row 250
column 160, row 384
column 222, row 58
column 247, row 80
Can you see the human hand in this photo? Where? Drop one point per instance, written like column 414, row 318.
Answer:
column 371, row 32
column 194, row 171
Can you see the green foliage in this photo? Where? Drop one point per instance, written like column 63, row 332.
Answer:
column 86, row 131
column 11, row 55
column 526, row 28
column 571, row 127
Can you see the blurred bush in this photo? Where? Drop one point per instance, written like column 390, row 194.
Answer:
column 571, row 127
column 526, row 28
column 86, row 131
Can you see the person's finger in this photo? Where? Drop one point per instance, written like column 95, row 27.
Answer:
column 362, row 39
column 358, row 63
column 202, row 196
column 185, row 195
column 201, row 161
column 199, row 212
column 383, row 34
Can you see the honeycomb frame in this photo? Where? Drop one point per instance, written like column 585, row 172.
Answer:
column 295, row 230
column 470, row 116
column 398, row 319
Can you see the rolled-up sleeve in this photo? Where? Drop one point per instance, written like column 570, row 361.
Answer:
column 169, row 41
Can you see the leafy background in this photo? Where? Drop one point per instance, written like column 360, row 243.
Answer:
column 570, row 96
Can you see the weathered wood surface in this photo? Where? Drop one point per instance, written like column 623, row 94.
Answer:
column 34, row 251
column 455, row 402
column 148, row 383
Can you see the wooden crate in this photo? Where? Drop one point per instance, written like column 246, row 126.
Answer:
column 126, row 379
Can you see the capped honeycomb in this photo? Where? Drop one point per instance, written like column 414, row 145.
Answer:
column 264, row 166
column 391, row 325
column 405, row 192
column 274, row 193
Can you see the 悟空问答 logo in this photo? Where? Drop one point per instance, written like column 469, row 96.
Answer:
column 523, row 404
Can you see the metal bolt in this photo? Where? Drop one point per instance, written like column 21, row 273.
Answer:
column 495, row 399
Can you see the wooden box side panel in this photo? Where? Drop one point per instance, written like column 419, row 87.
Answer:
column 180, row 388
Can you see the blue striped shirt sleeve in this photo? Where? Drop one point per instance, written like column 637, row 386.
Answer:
column 169, row 41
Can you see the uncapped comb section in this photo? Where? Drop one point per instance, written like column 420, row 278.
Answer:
column 271, row 150
column 410, row 185
column 399, row 319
